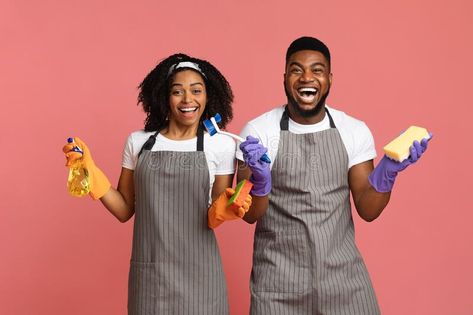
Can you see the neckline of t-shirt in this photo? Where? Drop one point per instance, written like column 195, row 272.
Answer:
column 324, row 122
column 163, row 138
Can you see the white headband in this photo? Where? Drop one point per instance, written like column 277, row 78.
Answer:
column 185, row 64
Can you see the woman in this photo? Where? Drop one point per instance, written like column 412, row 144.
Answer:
column 171, row 170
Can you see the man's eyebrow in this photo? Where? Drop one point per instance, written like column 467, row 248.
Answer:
column 295, row 63
column 317, row 63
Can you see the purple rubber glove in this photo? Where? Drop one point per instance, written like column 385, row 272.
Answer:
column 383, row 176
column 261, row 174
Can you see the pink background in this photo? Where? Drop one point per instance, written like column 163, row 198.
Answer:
column 72, row 67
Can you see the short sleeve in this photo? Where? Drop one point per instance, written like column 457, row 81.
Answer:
column 226, row 157
column 129, row 156
column 364, row 147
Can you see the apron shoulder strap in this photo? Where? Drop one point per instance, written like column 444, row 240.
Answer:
column 284, row 123
column 332, row 124
column 149, row 143
column 200, row 139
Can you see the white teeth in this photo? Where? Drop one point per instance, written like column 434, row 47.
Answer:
column 307, row 94
column 188, row 109
column 307, row 89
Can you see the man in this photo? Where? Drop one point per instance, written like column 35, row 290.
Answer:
column 305, row 259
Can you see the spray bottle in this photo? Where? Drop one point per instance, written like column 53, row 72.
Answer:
column 78, row 182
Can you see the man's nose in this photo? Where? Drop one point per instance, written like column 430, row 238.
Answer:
column 307, row 76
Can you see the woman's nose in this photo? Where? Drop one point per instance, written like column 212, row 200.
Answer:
column 187, row 97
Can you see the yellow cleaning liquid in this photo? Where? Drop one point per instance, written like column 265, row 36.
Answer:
column 78, row 182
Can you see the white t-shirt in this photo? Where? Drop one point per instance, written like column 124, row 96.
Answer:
column 219, row 151
column 355, row 135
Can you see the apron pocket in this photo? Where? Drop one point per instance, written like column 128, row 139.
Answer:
column 142, row 288
column 280, row 262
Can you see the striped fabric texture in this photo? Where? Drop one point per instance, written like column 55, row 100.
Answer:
column 175, row 264
column 305, row 259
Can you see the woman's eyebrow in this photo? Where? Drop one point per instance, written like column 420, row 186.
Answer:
column 192, row 84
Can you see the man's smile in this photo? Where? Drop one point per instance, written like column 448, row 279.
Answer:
column 307, row 95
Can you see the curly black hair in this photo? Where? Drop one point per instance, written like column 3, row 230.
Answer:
column 155, row 91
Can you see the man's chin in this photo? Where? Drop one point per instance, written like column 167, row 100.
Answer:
column 306, row 107
column 306, row 110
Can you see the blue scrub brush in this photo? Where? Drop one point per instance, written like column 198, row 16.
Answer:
column 212, row 128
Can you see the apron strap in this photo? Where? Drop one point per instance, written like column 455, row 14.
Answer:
column 149, row 143
column 284, row 123
column 200, row 139
column 332, row 124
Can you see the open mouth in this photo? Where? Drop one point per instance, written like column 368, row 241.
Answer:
column 188, row 109
column 307, row 94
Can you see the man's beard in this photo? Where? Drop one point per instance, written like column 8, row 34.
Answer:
column 291, row 101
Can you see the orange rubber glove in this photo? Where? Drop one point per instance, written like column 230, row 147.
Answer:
column 220, row 212
column 99, row 183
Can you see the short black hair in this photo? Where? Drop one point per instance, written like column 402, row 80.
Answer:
column 155, row 89
column 308, row 43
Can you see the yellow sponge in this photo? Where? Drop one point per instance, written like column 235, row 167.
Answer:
column 398, row 149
